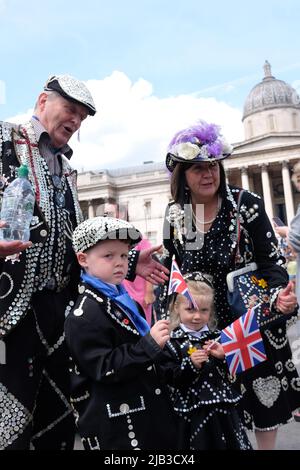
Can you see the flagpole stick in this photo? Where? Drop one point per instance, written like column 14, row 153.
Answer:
column 211, row 345
column 168, row 295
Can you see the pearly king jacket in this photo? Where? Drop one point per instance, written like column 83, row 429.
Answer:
column 50, row 231
column 117, row 396
column 21, row 276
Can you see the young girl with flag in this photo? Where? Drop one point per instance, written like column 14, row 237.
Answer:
column 197, row 373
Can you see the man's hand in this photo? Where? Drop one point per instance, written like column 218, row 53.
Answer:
column 149, row 269
column 12, row 248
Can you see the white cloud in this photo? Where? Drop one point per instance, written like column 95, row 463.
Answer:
column 133, row 125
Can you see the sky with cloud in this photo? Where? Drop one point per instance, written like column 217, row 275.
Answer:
column 153, row 66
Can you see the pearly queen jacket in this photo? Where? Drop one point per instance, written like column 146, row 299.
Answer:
column 214, row 252
column 20, row 277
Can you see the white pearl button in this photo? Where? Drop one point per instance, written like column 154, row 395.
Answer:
column 124, row 408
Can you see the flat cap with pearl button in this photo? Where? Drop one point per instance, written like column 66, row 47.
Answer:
column 71, row 89
column 91, row 231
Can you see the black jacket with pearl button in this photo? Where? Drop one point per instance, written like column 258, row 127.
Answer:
column 19, row 278
column 214, row 252
column 118, row 398
column 190, row 387
column 271, row 389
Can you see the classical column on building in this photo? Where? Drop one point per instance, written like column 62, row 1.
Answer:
column 250, row 178
column 288, row 191
column 245, row 178
column 91, row 209
column 267, row 191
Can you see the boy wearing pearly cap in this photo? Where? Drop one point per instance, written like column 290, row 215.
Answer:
column 118, row 399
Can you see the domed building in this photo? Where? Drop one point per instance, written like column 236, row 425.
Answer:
column 261, row 163
column 272, row 106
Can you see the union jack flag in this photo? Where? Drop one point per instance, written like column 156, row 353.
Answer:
column 243, row 344
column 178, row 284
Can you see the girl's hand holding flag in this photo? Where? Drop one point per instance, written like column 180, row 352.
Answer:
column 213, row 348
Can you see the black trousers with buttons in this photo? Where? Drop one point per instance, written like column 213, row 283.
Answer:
column 34, row 382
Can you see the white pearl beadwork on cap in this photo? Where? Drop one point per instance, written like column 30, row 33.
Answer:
column 94, row 230
column 73, row 88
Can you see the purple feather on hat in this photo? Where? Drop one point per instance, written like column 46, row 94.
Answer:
column 215, row 148
column 206, row 133
column 202, row 133
column 199, row 142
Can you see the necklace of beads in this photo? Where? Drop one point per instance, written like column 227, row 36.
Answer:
column 199, row 222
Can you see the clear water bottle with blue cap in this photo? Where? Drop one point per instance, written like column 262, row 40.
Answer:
column 17, row 208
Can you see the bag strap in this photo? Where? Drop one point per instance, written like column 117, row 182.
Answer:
column 238, row 228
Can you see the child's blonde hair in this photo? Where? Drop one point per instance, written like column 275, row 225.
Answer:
column 195, row 288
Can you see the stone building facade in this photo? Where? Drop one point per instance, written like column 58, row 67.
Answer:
column 261, row 163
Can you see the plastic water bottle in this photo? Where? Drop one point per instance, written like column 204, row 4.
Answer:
column 17, row 208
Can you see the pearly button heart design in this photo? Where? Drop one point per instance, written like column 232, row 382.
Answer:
column 267, row 390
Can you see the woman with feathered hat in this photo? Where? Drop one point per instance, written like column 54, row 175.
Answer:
column 200, row 231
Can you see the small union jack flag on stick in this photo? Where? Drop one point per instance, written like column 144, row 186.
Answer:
column 242, row 343
column 177, row 284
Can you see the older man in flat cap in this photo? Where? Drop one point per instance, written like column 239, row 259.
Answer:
column 39, row 286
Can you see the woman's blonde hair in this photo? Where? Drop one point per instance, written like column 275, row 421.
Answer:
column 195, row 288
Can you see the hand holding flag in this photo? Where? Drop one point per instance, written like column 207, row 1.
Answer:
column 242, row 343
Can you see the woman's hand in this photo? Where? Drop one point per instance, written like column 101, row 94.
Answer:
column 149, row 269
column 198, row 357
column 286, row 301
column 160, row 332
